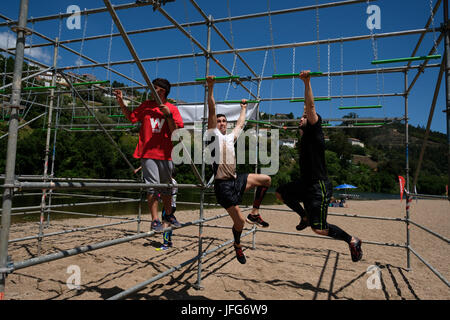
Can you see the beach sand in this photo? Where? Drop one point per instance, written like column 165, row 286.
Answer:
column 280, row 267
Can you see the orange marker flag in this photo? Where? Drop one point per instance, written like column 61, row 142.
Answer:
column 401, row 180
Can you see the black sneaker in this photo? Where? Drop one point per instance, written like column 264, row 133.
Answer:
column 256, row 219
column 172, row 220
column 355, row 250
column 302, row 225
column 240, row 254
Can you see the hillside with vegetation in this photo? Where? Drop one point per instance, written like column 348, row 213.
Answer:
column 89, row 154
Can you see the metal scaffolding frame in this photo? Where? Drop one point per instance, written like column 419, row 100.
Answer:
column 13, row 183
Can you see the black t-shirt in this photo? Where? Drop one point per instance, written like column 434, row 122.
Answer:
column 312, row 153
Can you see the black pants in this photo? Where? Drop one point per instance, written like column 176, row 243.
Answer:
column 315, row 196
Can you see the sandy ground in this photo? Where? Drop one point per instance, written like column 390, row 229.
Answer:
column 281, row 267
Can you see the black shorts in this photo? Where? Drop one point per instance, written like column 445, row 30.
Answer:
column 229, row 192
column 315, row 196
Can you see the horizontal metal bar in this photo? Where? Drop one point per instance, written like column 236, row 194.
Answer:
column 144, row 284
column 91, row 247
column 290, row 75
column 39, row 178
column 52, row 234
column 326, row 41
column 311, row 236
column 429, row 196
column 430, row 267
column 65, row 205
column 361, row 107
column 190, row 24
column 83, row 12
column 96, row 215
column 437, row 235
column 341, row 214
column 93, row 185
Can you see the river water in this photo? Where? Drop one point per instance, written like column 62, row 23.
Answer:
column 132, row 208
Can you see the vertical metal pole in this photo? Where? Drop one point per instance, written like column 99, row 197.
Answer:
column 447, row 84
column 257, row 151
column 12, row 143
column 408, row 262
column 202, row 194
column 47, row 146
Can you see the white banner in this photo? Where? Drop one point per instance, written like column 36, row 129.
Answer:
column 194, row 113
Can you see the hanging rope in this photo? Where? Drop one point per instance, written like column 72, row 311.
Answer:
column 197, row 75
column 271, row 37
column 233, row 71
column 318, row 37
column 329, row 79
column 375, row 55
column 432, row 24
column 82, row 43
column 342, row 72
column 293, row 78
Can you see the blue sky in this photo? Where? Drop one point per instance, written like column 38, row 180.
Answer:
column 344, row 21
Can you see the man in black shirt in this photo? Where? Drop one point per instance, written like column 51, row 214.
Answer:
column 313, row 188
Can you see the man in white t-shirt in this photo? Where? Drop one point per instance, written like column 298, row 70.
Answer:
column 228, row 185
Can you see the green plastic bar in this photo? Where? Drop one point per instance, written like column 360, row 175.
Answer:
column 436, row 56
column 369, row 124
column 285, row 75
column 315, row 99
column 124, row 127
column 89, row 82
column 260, row 122
column 2, row 91
column 39, row 88
column 219, row 78
column 84, row 117
column 361, row 107
column 326, row 124
column 116, row 116
column 78, row 129
column 238, row 101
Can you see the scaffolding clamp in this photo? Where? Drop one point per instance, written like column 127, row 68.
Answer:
column 9, row 268
column 9, row 105
column 25, row 30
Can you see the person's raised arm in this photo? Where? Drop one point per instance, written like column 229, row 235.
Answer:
column 169, row 117
column 212, row 119
column 241, row 120
column 122, row 104
column 310, row 108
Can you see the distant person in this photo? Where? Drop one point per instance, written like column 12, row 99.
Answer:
column 228, row 185
column 155, row 146
column 314, row 188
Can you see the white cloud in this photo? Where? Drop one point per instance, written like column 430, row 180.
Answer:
column 8, row 40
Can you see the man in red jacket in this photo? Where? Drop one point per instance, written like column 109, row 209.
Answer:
column 155, row 146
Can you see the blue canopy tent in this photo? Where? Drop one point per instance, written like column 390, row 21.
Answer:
column 347, row 186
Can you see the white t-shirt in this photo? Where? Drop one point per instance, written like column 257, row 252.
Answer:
column 226, row 168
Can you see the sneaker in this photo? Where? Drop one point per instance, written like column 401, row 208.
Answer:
column 240, row 254
column 302, row 225
column 172, row 220
column 156, row 225
column 355, row 250
column 256, row 219
column 163, row 247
